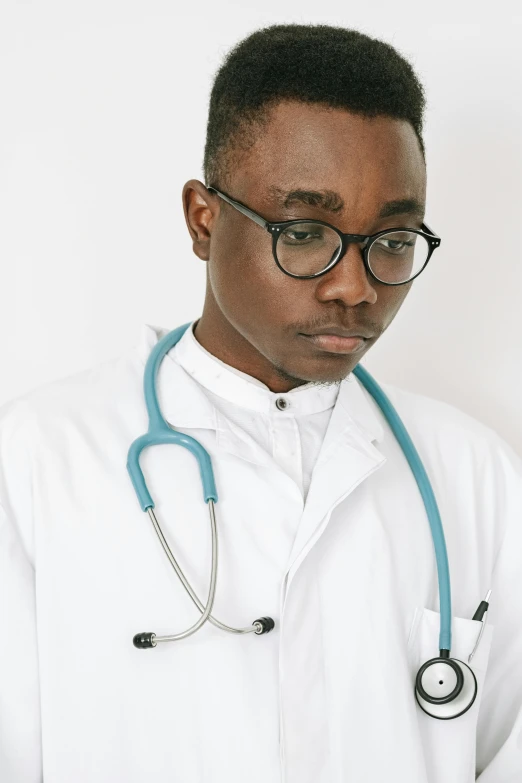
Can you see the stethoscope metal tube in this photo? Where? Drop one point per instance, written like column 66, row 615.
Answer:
column 213, row 577
column 256, row 626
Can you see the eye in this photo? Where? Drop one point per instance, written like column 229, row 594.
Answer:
column 303, row 234
column 395, row 245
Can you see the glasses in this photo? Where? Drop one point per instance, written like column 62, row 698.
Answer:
column 310, row 248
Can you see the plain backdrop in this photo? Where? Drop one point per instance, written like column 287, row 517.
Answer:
column 103, row 116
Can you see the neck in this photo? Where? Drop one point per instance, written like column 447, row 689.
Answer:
column 219, row 338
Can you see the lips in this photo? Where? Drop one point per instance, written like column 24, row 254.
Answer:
column 336, row 343
column 339, row 332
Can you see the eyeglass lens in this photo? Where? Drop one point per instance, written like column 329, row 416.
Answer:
column 309, row 248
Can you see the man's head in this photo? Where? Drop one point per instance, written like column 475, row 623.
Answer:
column 297, row 109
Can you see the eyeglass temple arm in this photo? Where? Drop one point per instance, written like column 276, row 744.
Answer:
column 264, row 223
column 245, row 210
column 428, row 230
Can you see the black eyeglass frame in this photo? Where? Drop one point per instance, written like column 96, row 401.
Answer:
column 346, row 239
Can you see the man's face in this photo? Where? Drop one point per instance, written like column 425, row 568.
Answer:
column 255, row 317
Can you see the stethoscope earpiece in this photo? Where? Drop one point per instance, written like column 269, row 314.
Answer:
column 144, row 640
column 263, row 625
column 445, row 688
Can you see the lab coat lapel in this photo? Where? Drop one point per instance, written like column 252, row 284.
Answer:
column 185, row 406
column 234, row 440
column 347, row 458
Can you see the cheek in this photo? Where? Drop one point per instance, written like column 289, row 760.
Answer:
column 392, row 298
column 246, row 282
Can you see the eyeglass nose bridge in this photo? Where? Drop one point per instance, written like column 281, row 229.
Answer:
column 346, row 241
column 352, row 239
column 355, row 239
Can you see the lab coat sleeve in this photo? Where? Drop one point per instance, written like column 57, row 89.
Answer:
column 20, row 743
column 499, row 729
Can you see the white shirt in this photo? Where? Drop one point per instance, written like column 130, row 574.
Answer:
column 290, row 426
column 348, row 576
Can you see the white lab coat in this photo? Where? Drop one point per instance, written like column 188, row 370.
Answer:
column 328, row 695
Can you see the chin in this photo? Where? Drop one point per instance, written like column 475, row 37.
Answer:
column 310, row 372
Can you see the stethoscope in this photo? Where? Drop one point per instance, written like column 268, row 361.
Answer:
column 445, row 687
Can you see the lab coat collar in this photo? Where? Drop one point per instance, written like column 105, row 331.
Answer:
column 245, row 391
column 185, row 405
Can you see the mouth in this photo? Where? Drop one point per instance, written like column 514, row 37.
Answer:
column 335, row 343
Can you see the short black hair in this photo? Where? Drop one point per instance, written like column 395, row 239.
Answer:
column 313, row 63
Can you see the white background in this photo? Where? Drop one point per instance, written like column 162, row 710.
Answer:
column 103, row 117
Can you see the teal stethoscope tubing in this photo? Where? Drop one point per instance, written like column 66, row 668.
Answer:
column 426, row 490
column 160, row 432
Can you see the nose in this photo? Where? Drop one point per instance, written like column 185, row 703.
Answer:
column 348, row 280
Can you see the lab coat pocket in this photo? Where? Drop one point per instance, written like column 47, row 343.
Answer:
column 450, row 744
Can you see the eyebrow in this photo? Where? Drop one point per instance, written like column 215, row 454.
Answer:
column 330, row 201
column 404, row 206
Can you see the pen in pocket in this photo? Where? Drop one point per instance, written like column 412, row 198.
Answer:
column 481, row 615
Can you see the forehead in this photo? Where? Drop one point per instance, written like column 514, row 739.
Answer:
column 367, row 161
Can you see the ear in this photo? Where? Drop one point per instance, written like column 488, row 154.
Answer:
column 201, row 209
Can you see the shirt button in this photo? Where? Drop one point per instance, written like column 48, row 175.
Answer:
column 282, row 404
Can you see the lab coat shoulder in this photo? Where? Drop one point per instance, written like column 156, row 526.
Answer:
column 42, row 423
column 441, row 423
column 477, row 479
column 458, row 446
column 476, row 474
column 106, row 383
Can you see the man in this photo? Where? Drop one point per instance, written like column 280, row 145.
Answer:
column 321, row 524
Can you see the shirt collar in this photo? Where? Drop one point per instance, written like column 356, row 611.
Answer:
column 245, row 391
column 184, row 403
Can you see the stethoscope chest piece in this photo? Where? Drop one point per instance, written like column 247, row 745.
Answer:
column 445, row 688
